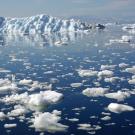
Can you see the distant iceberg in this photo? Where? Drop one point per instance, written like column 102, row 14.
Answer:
column 42, row 24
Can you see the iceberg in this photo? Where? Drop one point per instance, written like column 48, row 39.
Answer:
column 42, row 24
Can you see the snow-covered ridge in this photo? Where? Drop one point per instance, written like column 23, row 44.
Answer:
column 43, row 24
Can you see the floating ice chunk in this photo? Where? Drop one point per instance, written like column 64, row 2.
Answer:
column 110, row 124
column 106, row 118
column 130, row 70
column 107, row 67
column 7, row 85
column 87, row 73
column 75, row 85
column 88, row 127
column 73, row 119
column 2, row 70
column 79, row 109
column 43, row 98
column 18, row 111
column 123, row 65
column 120, row 96
column 60, row 43
column 54, row 80
column 56, row 112
column 10, row 125
column 48, row 72
column 132, row 81
column 133, row 77
column 48, row 122
column 2, row 116
column 105, row 73
column 49, row 96
column 25, row 82
column 33, row 85
column 95, row 92
column 112, row 79
column 16, row 98
column 119, row 108
column 129, row 28
column 105, row 113
column 126, row 38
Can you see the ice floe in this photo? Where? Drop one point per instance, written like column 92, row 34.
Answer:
column 123, row 65
column 18, row 111
column 42, row 98
column 10, row 125
column 105, row 73
column 106, row 118
column 132, row 81
column 75, row 85
column 48, row 122
column 2, row 70
column 46, row 97
column 112, row 79
column 33, row 85
column 25, row 82
column 123, row 40
column 7, row 85
column 119, row 95
column 73, row 119
column 130, row 70
column 95, row 92
column 107, row 67
column 2, row 116
column 119, row 108
column 129, row 28
column 87, row 73
column 88, row 127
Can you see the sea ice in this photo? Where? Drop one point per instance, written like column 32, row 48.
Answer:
column 130, row 70
column 105, row 73
column 120, row 96
column 95, row 92
column 119, row 108
column 2, row 116
column 48, row 122
column 87, row 73
column 10, row 125
column 7, row 85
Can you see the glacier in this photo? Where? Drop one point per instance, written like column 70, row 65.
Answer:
column 42, row 24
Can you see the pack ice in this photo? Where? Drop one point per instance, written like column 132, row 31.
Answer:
column 42, row 24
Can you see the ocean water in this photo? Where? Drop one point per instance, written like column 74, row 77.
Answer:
column 39, row 58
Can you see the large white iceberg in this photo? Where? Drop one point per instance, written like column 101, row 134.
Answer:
column 42, row 24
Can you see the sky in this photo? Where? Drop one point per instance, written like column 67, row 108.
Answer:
column 67, row 8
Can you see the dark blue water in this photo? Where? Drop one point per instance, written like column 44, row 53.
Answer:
column 45, row 56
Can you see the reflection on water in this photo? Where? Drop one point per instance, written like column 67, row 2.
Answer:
column 44, row 40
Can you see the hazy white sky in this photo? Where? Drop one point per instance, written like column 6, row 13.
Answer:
column 99, row 8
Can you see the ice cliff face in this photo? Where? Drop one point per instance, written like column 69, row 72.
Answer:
column 42, row 24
